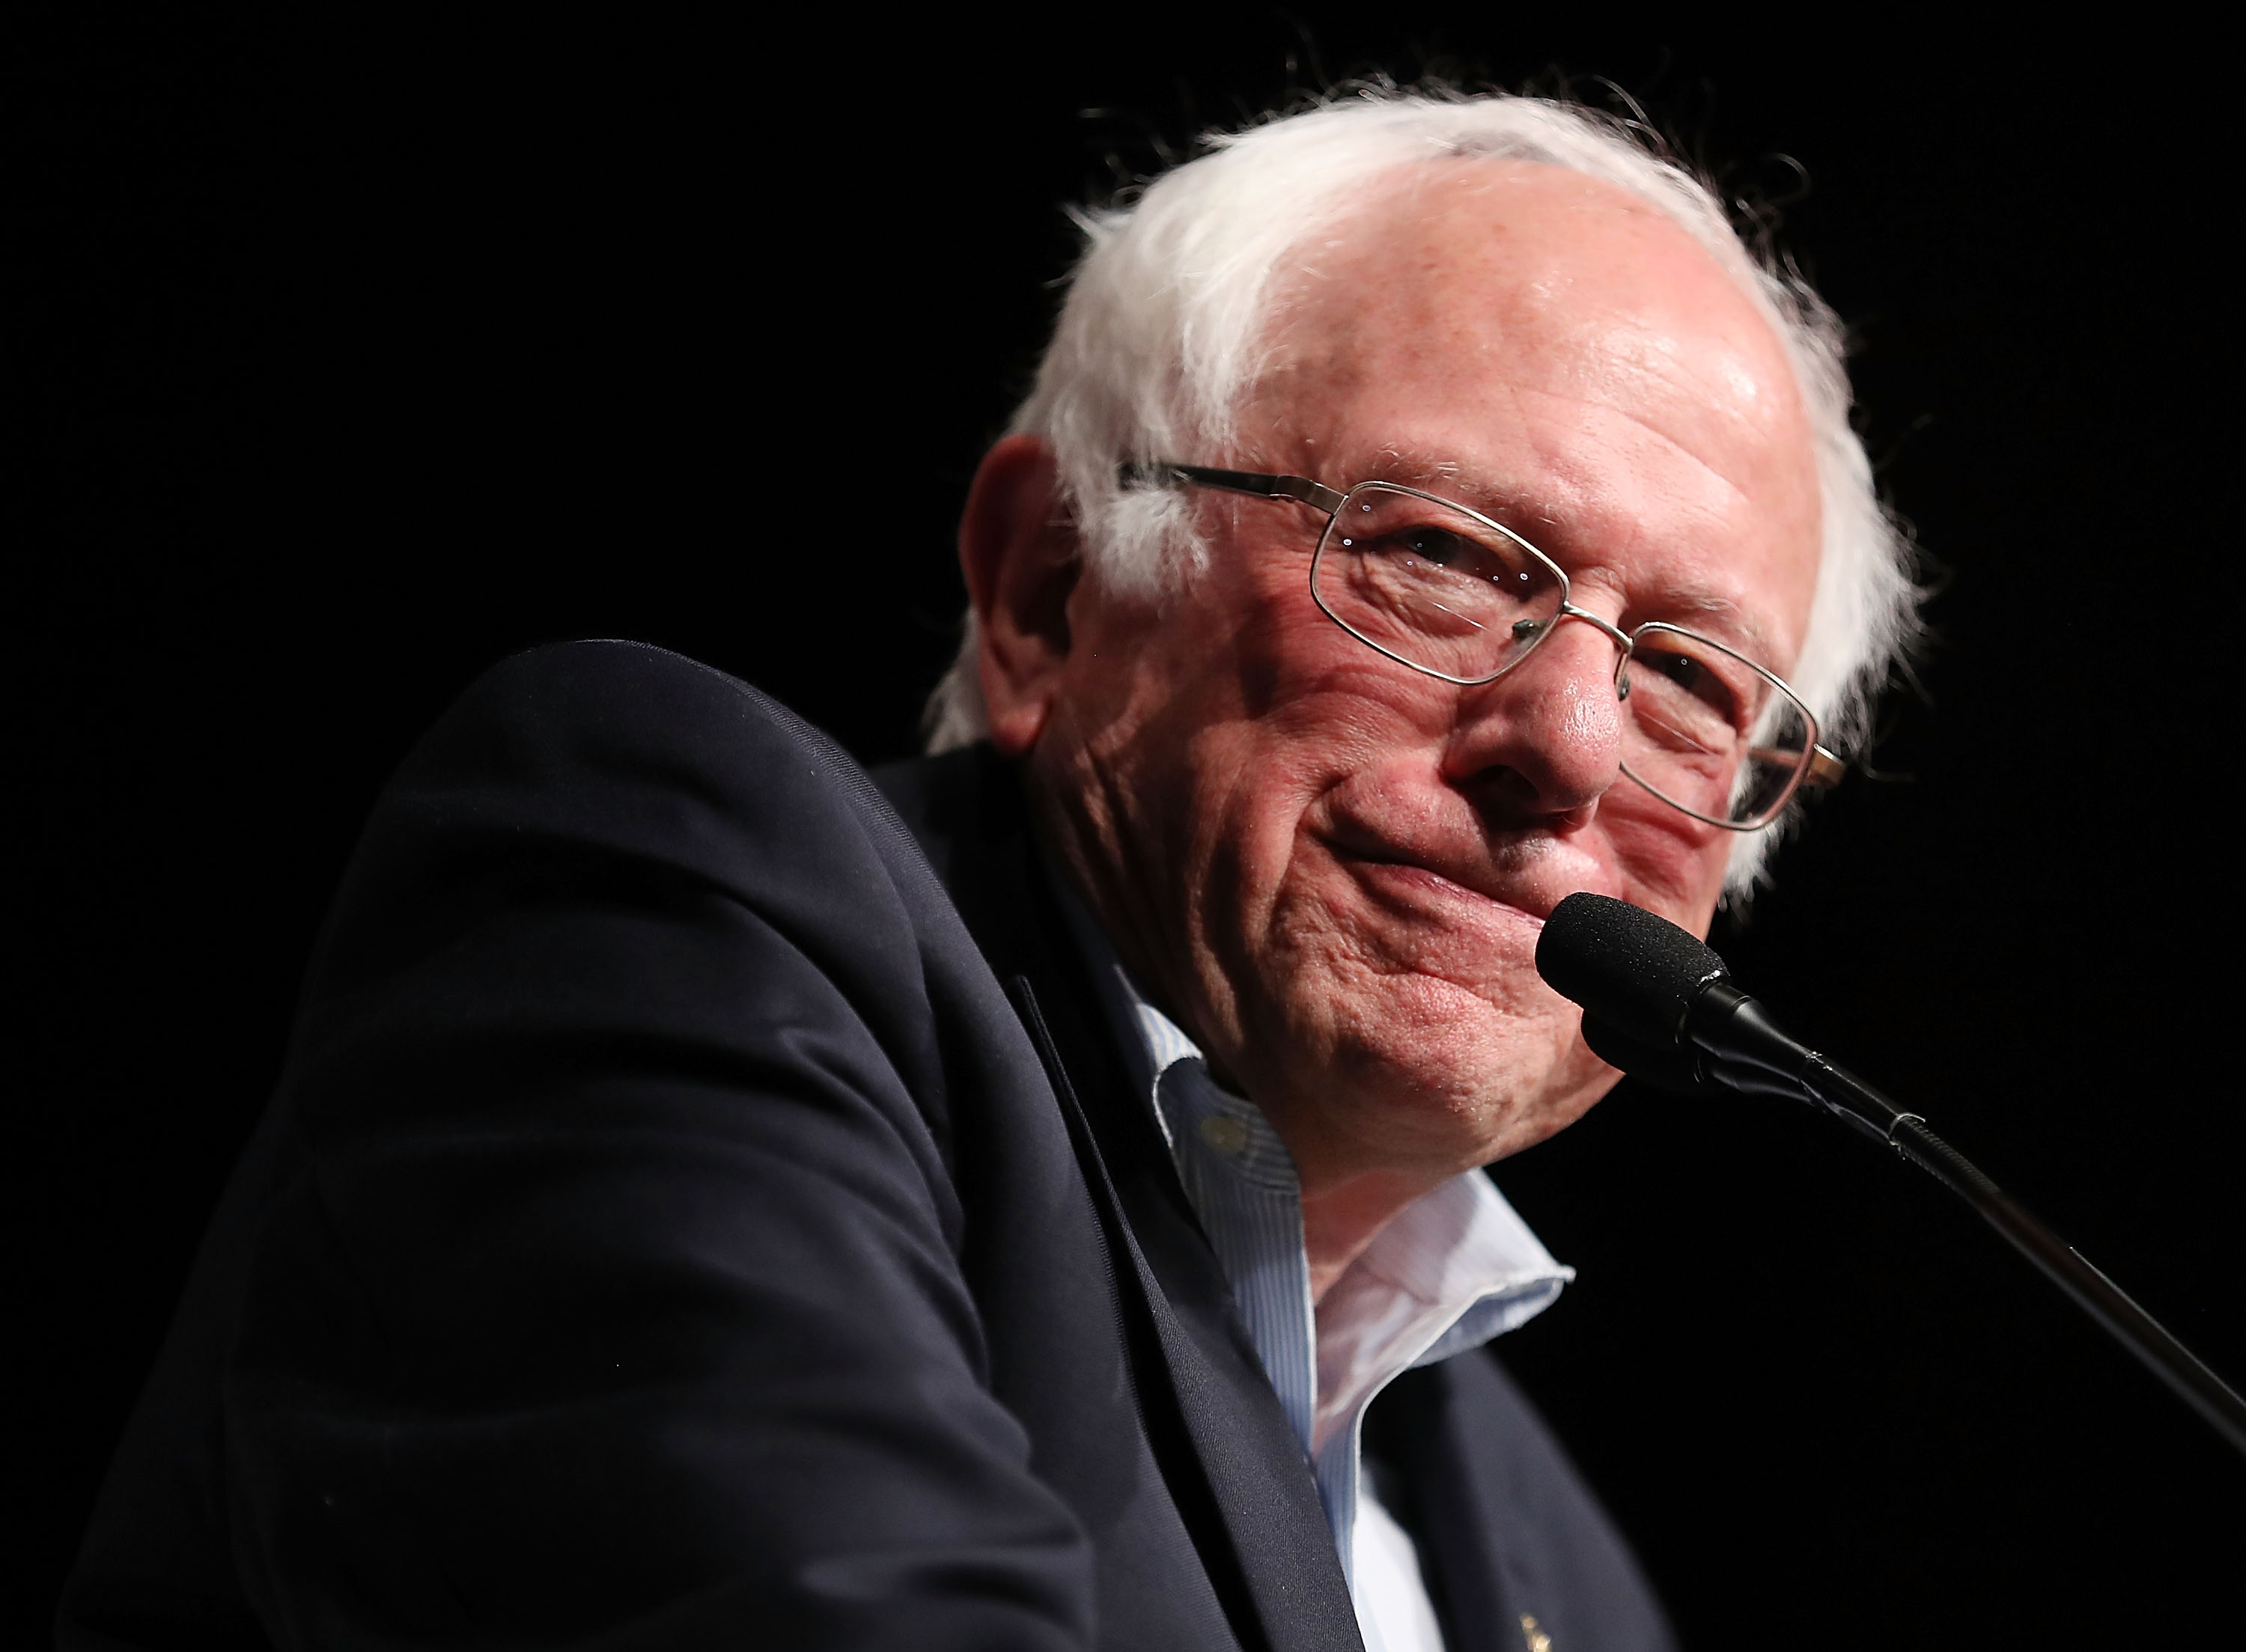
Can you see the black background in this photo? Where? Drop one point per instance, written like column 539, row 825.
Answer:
column 344, row 357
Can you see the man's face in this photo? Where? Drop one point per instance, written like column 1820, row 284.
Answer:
column 1333, row 869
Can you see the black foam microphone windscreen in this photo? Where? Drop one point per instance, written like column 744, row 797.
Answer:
column 1634, row 970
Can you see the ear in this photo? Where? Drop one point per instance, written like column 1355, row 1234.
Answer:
column 1022, row 560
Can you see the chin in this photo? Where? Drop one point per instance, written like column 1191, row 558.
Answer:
column 1431, row 1068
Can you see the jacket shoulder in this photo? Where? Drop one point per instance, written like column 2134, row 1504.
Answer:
column 595, row 764
column 603, row 1242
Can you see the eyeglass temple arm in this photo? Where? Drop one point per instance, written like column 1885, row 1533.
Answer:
column 1825, row 769
column 1301, row 489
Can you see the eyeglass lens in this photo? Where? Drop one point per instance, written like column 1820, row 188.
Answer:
column 1440, row 590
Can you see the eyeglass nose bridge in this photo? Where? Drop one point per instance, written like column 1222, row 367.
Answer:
column 1568, row 611
column 1622, row 641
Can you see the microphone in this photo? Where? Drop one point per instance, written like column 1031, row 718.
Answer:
column 1659, row 1003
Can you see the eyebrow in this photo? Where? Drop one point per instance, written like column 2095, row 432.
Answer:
column 1721, row 619
column 1511, row 506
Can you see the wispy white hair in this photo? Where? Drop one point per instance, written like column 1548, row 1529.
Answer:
column 1167, row 325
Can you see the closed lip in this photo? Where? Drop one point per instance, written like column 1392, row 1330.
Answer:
column 1471, row 875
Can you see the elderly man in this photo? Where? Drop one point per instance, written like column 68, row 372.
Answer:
column 712, row 1201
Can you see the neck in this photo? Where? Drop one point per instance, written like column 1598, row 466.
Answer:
column 1340, row 1219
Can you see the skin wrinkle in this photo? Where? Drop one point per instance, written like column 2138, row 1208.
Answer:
column 1329, row 869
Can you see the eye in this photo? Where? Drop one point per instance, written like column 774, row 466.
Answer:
column 1435, row 545
column 1428, row 542
column 1687, row 674
column 1680, row 678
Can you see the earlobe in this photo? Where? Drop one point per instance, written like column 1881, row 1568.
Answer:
column 1021, row 558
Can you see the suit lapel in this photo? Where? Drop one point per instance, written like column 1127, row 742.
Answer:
column 1230, row 1458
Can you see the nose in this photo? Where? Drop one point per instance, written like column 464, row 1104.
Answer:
column 1544, row 743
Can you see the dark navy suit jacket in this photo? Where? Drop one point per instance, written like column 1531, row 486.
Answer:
column 702, row 1207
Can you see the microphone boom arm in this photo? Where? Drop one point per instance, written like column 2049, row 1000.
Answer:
column 1742, row 1049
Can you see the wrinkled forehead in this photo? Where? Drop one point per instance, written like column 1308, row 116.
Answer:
column 1445, row 265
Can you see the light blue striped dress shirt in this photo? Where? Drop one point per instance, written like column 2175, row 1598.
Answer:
column 1454, row 1269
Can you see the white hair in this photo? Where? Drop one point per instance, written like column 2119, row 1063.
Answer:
column 1168, row 319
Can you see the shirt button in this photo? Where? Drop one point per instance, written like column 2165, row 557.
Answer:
column 1227, row 1136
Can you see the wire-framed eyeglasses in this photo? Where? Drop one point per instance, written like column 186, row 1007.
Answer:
column 1445, row 590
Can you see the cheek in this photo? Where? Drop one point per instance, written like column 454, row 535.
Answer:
column 1251, row 740
column 1266, row 700
column 1669, row 863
